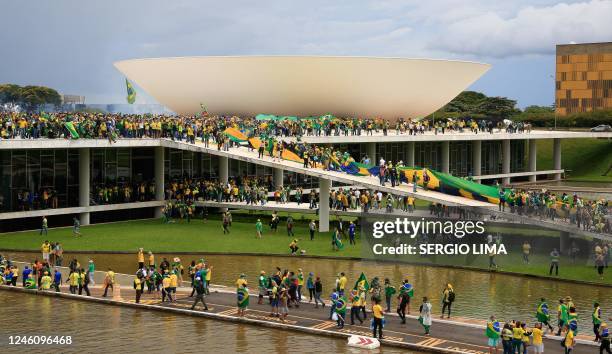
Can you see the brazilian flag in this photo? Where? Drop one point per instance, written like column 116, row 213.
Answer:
column 362, row 281
column 407, row 289
column 243, row 298
column 131, row 93
column 543, row 315
column 72, row 130
column 341, row 305
column 493, row 330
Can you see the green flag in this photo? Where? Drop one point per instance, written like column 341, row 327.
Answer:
column 131, row 93
column 364, row 280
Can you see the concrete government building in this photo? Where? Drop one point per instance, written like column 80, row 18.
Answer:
column 364, row 87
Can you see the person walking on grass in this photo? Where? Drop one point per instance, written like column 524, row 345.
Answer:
column 226, row 224
column 259, row 228
column 76, row 227
column 554, row 262
column 312, row 228
column 44, row 228
column 290, row 232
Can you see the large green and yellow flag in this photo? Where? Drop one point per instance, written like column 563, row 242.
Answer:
column 131, row 93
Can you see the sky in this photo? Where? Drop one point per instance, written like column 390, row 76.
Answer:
column 70, row 45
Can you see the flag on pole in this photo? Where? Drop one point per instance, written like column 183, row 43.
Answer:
column 131, row 93
column 362, row 281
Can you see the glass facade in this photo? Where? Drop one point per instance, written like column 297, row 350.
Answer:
column 428, row 154
column 460, row 158
column 38, row 179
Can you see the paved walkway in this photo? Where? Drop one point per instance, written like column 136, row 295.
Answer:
column 447, row 336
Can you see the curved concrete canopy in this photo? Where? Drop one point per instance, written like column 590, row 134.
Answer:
column 303, row 85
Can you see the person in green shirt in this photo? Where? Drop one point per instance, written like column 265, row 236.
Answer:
column 91, row 270
column 259, row 228
column 389, row 292
column 562, row 316
column 596, row 321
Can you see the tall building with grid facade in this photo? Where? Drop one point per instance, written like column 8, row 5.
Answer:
column 583, row 77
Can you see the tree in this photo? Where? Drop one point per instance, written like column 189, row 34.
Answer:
column 538, row 109
column 10, row 93
column 497, row 107
column 29, row 96
column 478, row 105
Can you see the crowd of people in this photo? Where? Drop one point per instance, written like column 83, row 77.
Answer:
column 112, row 126
column 589, row 215
column 284, row 289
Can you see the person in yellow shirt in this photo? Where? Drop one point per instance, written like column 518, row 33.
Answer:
column 173, row 283
column 45, row 248
column 140, row 258
column 342, row 284
column 15, row 271
column 355, row 307
column 138, row 287
column 73, row 280
column 109, row 281
column 151, row 260
column 45, row 282
column 208, row 277
column 166, row 285
column 377, row 312
column 517, row 337
column 537, row 334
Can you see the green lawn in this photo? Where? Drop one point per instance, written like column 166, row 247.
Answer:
column 587, row 159
column 200, row 236
column 197, row 236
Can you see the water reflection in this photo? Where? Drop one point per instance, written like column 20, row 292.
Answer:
column 100, row 328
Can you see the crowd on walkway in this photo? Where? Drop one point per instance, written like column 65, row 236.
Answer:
column 284, row 289
column 112, row 126
column 589, row 215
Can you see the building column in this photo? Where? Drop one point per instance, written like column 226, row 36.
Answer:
column 564, row 242
column 477, row 158
column 223, row 169
column 557, row 158
column 84, row 183
column 506, row 160
column 371, row 152
column 160, row 192
column 410, row 154
column 445, row 156
column 324, row 188
column 533, row 156
column 278, row 177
